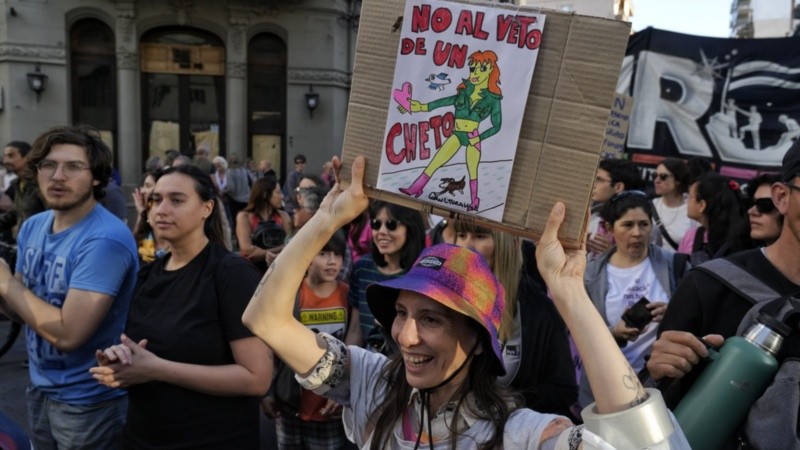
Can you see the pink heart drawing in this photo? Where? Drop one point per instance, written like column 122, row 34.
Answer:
column 403, row 96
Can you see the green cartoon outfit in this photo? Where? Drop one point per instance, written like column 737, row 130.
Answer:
column 488, row 105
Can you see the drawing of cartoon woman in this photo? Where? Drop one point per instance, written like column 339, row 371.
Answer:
column 477, row 98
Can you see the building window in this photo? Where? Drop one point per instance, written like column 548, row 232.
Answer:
column 266, row 99
column 183, row 91
column 93, row 77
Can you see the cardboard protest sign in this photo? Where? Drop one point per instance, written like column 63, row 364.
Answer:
column 618, row 121
column 448, row 83
column 563, row 124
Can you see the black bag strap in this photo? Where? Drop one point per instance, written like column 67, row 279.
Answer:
column 699, row 239
column 739, row 280
column 663, row 229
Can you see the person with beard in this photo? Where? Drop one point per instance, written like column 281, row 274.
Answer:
column 23, row 191
column 73, row 286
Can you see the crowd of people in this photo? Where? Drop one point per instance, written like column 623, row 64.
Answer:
column 374, row 325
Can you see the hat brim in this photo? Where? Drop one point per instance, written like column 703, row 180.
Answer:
column 382, row 296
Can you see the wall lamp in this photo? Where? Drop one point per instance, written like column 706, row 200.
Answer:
column 312, row 100
column 37, row 81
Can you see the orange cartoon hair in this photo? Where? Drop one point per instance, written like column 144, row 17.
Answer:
column 489, row 57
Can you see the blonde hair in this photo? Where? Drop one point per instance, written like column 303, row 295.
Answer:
column 220, row 160
column 506, row 265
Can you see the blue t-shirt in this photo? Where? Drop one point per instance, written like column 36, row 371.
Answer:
column 97, row 254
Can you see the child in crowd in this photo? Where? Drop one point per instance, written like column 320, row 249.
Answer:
column 306, row 420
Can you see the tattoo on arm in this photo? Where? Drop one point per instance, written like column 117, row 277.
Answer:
column 631, row 381
column 264, row 280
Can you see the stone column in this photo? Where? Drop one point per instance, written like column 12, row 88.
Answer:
column 236, row 84
column 129, row 129
column 128, row 145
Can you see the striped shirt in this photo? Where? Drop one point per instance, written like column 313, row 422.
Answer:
column 364, row 273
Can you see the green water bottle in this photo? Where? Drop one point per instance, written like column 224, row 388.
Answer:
column 734, row 379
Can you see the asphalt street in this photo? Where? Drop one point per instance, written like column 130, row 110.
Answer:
column 14, row 379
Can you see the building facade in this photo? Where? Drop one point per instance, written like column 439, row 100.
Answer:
column 610, row 9
column 260, row 79
column 763, row 18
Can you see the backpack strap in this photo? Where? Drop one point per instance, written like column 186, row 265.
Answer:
column 699, row 239
column 663, row 229
column 739, row 280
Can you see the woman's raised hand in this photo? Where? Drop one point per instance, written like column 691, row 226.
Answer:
column 139, row 200
column 342, row 206
column 559, row 267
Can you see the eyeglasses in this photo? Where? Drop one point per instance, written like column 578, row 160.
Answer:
column 625, row 194
column 662, row 176
column 793, row 187
column 764, row 205
column 70, row 169
column 602, row 180
column 391, row 224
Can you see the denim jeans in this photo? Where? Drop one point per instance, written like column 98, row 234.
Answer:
column 61, row 426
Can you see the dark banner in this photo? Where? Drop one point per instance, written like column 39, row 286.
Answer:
column 733, row 101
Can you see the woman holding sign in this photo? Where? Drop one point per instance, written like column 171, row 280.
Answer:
column 477, row 98
column 444, row 314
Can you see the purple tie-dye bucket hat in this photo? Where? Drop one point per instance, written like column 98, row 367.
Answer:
column 458, row 278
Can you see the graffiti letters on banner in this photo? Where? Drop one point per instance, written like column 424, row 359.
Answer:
column 733, row 101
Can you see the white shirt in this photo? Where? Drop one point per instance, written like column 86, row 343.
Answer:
column 674, row 220
column 625, row 287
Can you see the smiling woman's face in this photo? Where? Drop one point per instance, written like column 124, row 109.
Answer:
column 433, row 339
column 389, row 242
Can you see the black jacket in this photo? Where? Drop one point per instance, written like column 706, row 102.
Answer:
column 546, row 375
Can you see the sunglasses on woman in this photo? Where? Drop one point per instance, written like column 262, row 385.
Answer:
column 764, row 205
column 662, row 176
column 376, row 224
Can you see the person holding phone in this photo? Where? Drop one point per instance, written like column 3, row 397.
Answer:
column 633, row 269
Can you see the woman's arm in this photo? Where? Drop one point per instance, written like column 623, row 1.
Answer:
column 243, row 237
column 270, row 312
column 129, row 363
column 615, row 384
column 496, row 119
